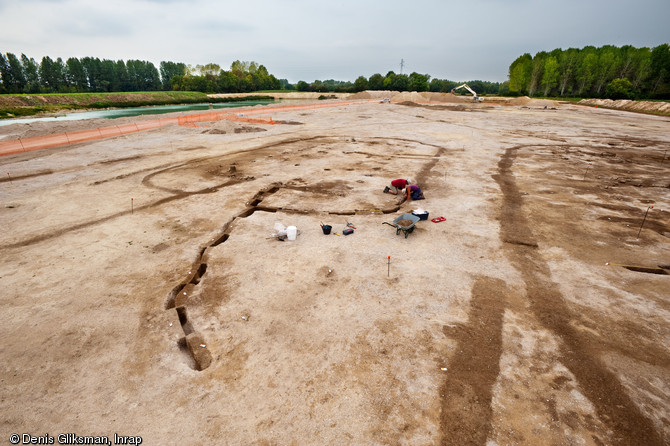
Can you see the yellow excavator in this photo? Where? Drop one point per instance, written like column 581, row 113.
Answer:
column 467, row 87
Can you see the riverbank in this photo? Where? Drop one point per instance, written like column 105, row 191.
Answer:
column 12, row 106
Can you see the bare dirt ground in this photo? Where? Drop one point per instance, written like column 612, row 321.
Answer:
column 143, row 294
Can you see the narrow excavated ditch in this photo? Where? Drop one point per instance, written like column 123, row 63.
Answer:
column 193, row 342
column 649, row 270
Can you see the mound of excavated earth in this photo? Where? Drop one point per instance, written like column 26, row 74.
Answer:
column 625, row 104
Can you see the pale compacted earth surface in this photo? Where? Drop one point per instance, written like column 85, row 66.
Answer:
column 144, row 294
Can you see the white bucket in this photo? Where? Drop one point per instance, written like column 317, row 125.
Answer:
column 291, row 232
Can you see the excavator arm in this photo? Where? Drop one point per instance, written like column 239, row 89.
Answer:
column 467, row 87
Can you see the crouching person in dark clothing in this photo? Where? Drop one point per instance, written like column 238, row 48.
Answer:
column 414, row 192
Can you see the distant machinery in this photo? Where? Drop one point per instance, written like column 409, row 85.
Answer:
column 467, row 87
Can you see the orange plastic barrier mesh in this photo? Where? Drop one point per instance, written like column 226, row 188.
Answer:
column 190, row 120
column 60, row 139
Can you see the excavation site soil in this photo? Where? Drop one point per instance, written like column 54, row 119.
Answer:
column 147, row 288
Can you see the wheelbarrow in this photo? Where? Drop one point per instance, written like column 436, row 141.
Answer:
column 406, row 229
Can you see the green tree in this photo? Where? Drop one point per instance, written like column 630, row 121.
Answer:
column 263, row 80
column 400, row 82
column 567, row 68
column 503, row 89
column 536, row 72
column 484, row 87
column 389, row 79
column 318, row 86
column 168, row 70
column 436, row 85
column 75, row 75
column 418, row 82
column 586, row 70
column 177, row 83
column 134, row 75
column 4, row 69
column 274, row 83
column 245, row 84
column 550, row 76
column 626, row 58
column 361, row 83
column 619, row 89
column 210, row 68
column 442, row 85
column 52, row 74
column 376, row 82
column 519, row 74
column 590, row 70
column 13, row 76
column 284, row 84
column 242, row 68
column 642, row 69
column 302, row 86
column 143, row 76
column 30, row 70
column 660, row 71
column 92, row 70
column 606, row 68
column 16, row 67
column 122, row 81
column 152, row 78
column 109, row 80
column 228, row 82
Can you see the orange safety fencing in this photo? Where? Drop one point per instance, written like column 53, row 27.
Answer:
column 188, row 120
column 60, row 139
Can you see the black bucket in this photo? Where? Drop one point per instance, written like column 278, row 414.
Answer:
column 326, row 229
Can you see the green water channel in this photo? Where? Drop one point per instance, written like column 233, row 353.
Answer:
column 136, row 111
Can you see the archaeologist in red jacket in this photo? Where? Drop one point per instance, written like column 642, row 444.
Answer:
column 397, row 185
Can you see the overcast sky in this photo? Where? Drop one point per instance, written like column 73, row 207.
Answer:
column 342, row 39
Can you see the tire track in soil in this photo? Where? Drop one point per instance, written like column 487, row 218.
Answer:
column 177, row 194
column 602, row 387
column 86, row 224
column 473, row 370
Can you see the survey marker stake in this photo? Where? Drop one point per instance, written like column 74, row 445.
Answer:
column 10, row 178
column 643, row 220
column 587, row 169
column 389, row 267
column 132, row 207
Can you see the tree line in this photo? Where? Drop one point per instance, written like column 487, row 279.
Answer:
column 396, row 82
column 88, row 74
column 613, row 72
column 91, row 74
column 608, row 71
column 243, row 77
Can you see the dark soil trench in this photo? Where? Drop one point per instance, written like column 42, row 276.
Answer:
column 602, row 387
